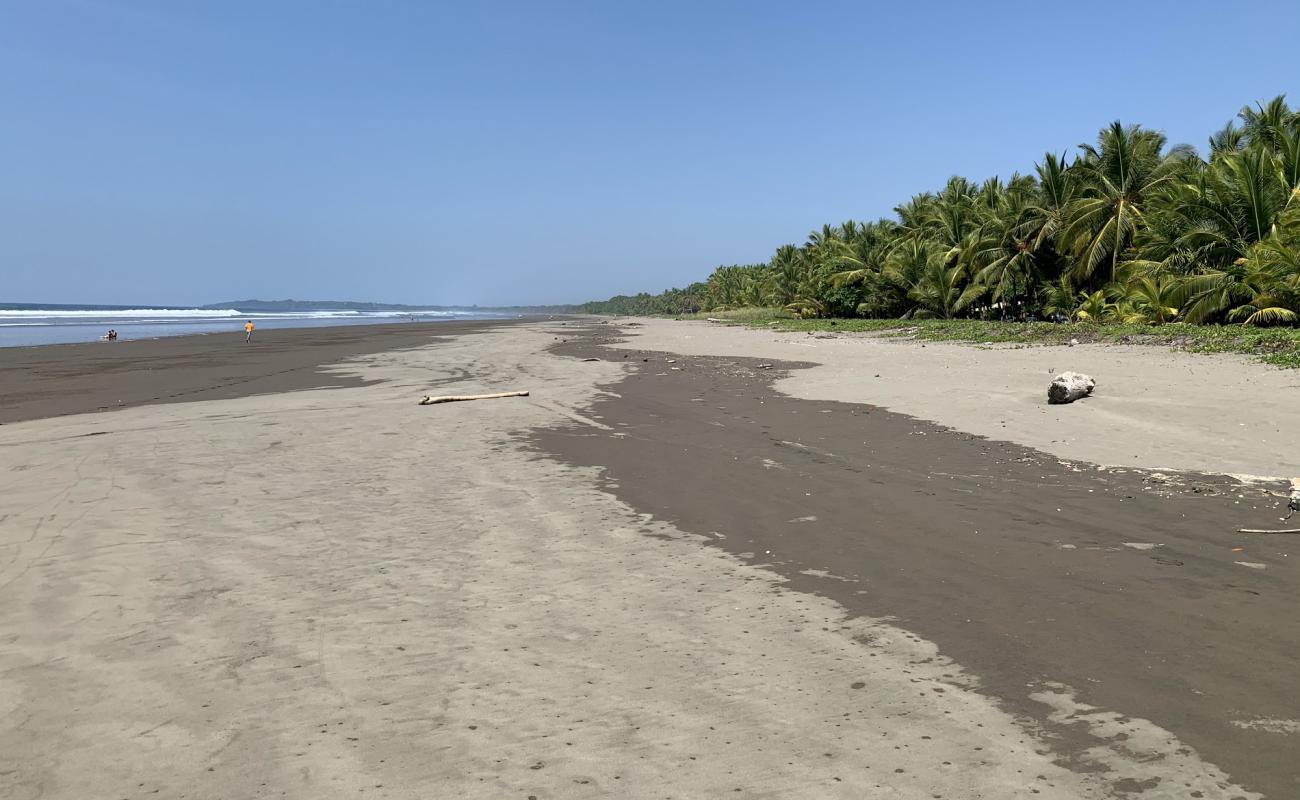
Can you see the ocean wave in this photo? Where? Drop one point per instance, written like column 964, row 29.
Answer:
column 56, row 316
column 119, row 313
column 35, row 326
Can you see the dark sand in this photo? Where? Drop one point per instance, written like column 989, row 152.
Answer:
column 960, row 539
column 54, row 380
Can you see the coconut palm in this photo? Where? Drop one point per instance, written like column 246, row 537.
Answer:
column 1127, row 165
column 1094, row 307
column 1261, row 289
column 1056, row 190
column 1212, row 220
column 1129, row 230
column 942, row 291
column 1267, row 122
column 1228, row 139
column 1274, row 267
column 785, row 275
column 1152, row 298
column 1057, row 299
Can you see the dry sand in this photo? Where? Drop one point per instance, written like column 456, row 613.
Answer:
column 338, row 593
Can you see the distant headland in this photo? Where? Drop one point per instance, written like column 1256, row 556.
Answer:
column 271, row 306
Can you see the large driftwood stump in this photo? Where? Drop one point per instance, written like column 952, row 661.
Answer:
column 1068, row 387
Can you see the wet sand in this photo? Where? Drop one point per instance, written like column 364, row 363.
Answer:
column 54, row 380
column 1130, row 588
column 640, row 581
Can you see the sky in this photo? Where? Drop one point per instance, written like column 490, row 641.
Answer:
column 548, row 152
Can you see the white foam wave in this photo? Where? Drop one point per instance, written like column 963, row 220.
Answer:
column 119, row 313
column 54, row 316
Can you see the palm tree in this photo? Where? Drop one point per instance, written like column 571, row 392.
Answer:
column 784, row 276
column 736, row 286
column 1269, row 282
column 1260, row 289
column 1116, row 178
column 1130, row 230
column 1154, row 299
column 941, row 291
column 1228, row 139
column 1056, row 190
column 1093, row 307
column 1003, row 253
column 1211, row 221
column 1267, row 122
column 1058, row 298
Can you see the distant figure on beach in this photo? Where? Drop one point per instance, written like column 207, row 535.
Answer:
column 111, row 336
column 248, row 328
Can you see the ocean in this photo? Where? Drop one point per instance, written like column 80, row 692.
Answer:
column 25, row 325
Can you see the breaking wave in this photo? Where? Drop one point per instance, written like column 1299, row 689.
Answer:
column 118, row 313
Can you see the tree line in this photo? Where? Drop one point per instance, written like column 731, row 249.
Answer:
column 1128, row 230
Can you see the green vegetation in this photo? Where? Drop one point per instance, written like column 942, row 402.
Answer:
column 1131, row 237
column 1275, row 345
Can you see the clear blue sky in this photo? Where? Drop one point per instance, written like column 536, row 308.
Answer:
column 530, row 152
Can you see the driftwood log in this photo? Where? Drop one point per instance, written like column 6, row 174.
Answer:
column 1068, row 387
column 458, row 398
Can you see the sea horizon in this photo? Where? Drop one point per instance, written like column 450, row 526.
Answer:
column 34, row 324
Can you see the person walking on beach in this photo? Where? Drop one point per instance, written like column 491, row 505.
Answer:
column 248, row 328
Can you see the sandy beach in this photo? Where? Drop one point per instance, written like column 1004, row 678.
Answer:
column 57, row 380
column 875, row 569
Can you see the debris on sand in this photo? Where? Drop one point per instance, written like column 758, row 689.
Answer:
column 1292, row 506
column 460, row 398
column 1068, row 387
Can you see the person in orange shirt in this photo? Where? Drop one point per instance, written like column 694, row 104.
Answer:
column 248, row 327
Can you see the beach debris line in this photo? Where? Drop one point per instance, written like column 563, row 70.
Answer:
column 1068, row 387
column 1292, row 506
column 430, row 400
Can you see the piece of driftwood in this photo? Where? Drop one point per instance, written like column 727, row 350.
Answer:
column 1068, row 387
column 1261, row 530
column 457, row 398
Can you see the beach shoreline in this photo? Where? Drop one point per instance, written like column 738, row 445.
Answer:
column 73, row 378
column 1154, row 408
column 659, row 573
